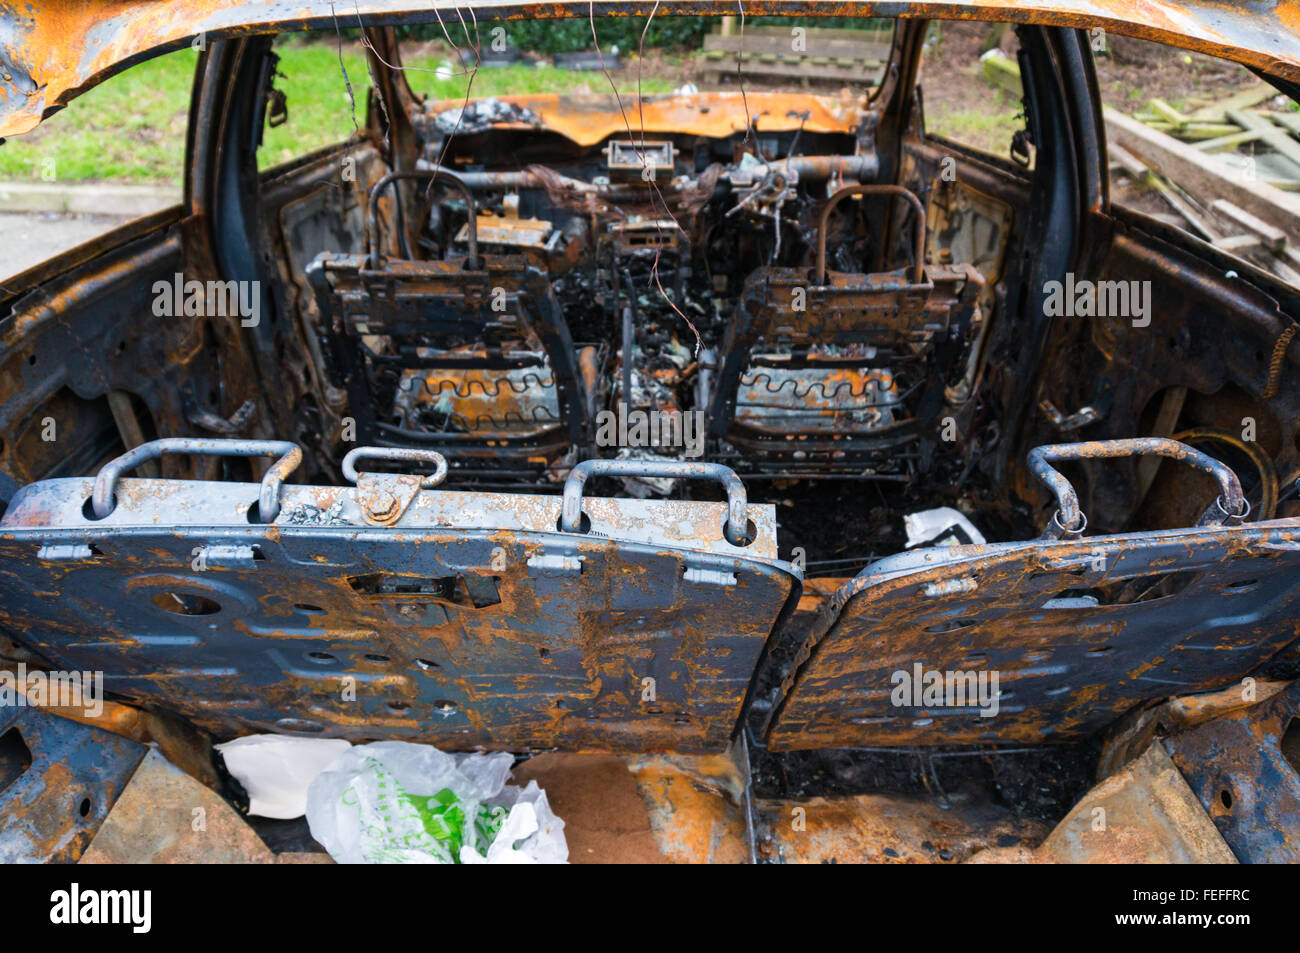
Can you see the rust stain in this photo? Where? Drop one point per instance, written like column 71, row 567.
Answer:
column 694, row 807
column 884, row 829
column 589, row 120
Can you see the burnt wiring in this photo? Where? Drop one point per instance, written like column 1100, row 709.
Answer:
column 638, row 146
column 473, row 44
column 740, row 74
column 374, row 82
column 663, row 211
column 347, row 80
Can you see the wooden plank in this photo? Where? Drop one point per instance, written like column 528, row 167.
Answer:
column 782, row 44
column 1207, row 130
column 1167, row 113
column 1271, row 237
column 1187, row 130
column 832, row 34
column 128, row 425
column 1278, row 139
column 1002, row 71
column 1184, row 208
column 1288, row 121
column 1274, row 165
column 1286, row 273
column 1229, row 143
column 1245, row 99
column 1237, row 243
column 1201, row 174
column 866, row 73
column 1127, row 161
column 1171, row 408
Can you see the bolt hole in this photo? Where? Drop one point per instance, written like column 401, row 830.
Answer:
column 427, row 664
column 84, row 807
column 308, row 608
column 182, row 603
column 750, row 534
column 584, row 524
column 376, row 657
column 445, row 707
column 1225, row 798
column 322, row 657
column 398, row 706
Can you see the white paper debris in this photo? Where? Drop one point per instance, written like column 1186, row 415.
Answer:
column 940, row 527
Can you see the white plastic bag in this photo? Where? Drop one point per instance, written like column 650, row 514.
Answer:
column 276, row 770
column 530, row 833
column 396, row 802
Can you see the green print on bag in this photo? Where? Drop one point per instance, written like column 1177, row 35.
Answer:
column 433, row 823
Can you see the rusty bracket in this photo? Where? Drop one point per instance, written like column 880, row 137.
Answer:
column 213, row 423
column 384, row 497
column 268, row 502
column 823, row 224
column 431, row 173
column 735, row 529
column 61, row 780
column 1065, row 423
column 1230, row 508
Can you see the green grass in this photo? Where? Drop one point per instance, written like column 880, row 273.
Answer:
column 989, row 128
column 131, row 128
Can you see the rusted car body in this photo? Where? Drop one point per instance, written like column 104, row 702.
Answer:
column 465, row 292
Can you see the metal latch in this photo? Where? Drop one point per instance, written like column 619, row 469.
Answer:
column 384, row 497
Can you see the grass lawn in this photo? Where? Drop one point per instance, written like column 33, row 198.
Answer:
column 132, row 127
column 988, row 126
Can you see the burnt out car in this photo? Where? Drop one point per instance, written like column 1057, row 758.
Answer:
column 794, row 454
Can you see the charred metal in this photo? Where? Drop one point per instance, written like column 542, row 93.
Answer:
column 395, row 475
